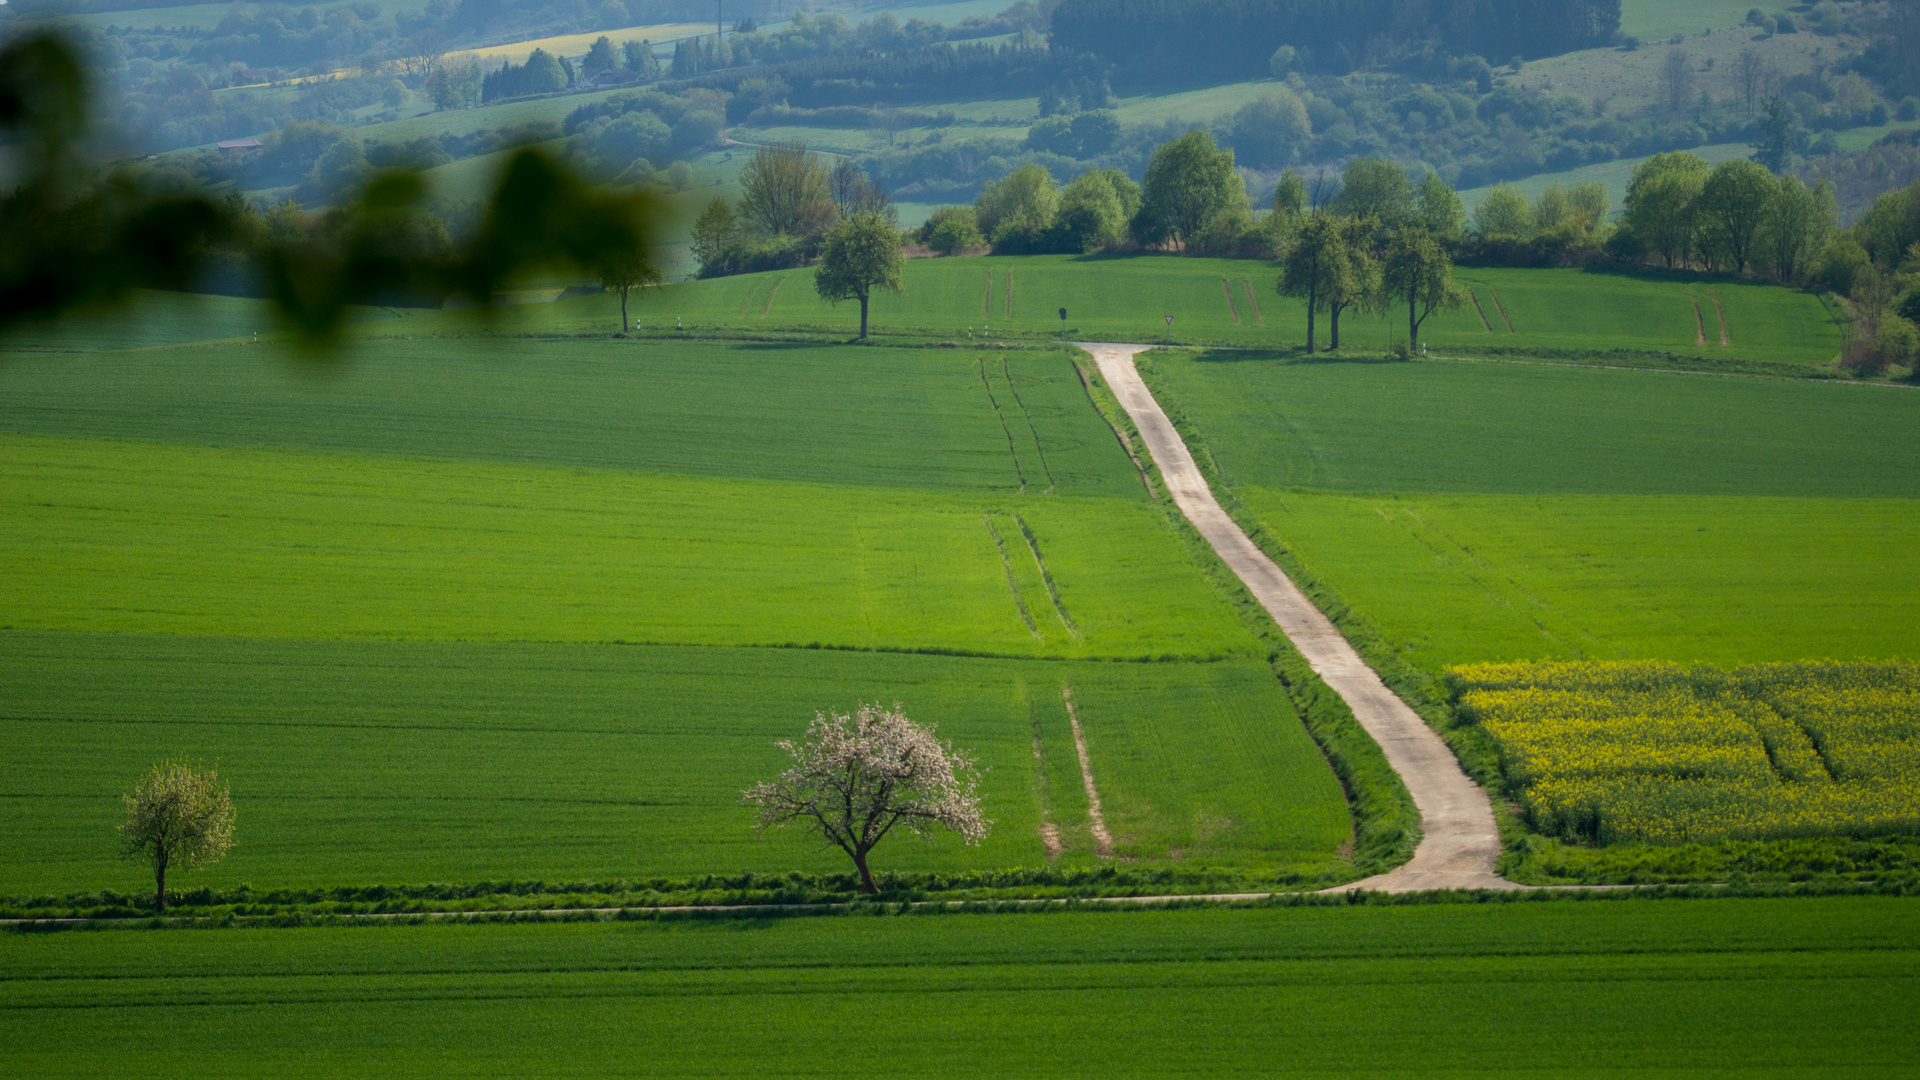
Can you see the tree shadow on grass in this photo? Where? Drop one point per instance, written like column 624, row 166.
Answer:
column 1290, row 356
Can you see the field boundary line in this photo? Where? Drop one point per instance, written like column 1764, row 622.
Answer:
column 1478, row 310
column 1460, row 841
column 1227, row 288
column 1501, row 308
column 1096, row 820
column 1253, row 304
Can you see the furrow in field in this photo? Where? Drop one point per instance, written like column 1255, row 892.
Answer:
column 1026, row 417
column 1700, row 324
column 1013, row 583
column 1478, row 310
column 1046, row 577
column 1231, row 310
column 1012, row 451
column 1252, row 304
column 771, row 293
column 1502, row 309
column 1720, row 314
column 1009, row 293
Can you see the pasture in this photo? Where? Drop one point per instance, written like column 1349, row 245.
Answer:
column 1793, row 987
column 1234, row 302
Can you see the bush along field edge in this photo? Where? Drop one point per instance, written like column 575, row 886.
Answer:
column 1530, row 857
column 1386, row 824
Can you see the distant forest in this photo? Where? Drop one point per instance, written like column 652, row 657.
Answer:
column 1162, row 40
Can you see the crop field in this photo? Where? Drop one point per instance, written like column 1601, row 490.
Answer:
column 1666, row 753
column 363, row 762
column 448, row 574
column 1552, row 310
column 1754, row 987
column 1478, row 512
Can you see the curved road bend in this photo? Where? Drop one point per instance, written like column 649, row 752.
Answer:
column 1460, row 841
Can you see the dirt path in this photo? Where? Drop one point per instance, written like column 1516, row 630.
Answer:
column 1231, row 310
column 1096, row 820
column 1460, row 841
column 1700, row 322
column 1719, row 313
column 1252, row 304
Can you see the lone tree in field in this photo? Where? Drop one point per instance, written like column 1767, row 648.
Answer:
column 856, row 777
column 862, row 254
column 624, row 272
column 177, row 817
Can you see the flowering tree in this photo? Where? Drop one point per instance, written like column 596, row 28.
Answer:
column 856, row 777
column 180, row 816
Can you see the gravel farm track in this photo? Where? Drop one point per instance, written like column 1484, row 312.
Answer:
column 1459, row 839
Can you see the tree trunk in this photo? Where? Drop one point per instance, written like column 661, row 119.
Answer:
column 160, row 884
column 1413, row 324
column 1333, row 331
column 1310, row 306
column 623, row 310
column 863, row 333
column 866, row 876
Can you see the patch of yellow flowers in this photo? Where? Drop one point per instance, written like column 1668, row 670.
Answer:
column 1674, row 753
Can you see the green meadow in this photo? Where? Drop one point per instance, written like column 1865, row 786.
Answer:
column 1234, row 302
column 1476, row 512
column 1635, row 987
column 459, row 608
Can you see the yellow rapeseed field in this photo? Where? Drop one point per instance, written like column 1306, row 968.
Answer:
column 1671, row 753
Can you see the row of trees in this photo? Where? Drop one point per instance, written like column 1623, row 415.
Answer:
column 791, row 198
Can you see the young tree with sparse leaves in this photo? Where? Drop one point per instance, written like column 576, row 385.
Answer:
column 862, row 254
column 177, row 817
column 857, row 777
column 625, row 271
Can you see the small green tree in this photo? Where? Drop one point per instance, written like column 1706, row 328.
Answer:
column 625, row 271
column 714, row 231
column 1418, row 270
column 177, row 817
column 862, row 253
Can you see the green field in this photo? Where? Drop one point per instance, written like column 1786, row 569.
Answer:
column 1474, row 512
column 385, row 762
column 454, row 573
column 1553, row 312
column 1742, row 987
